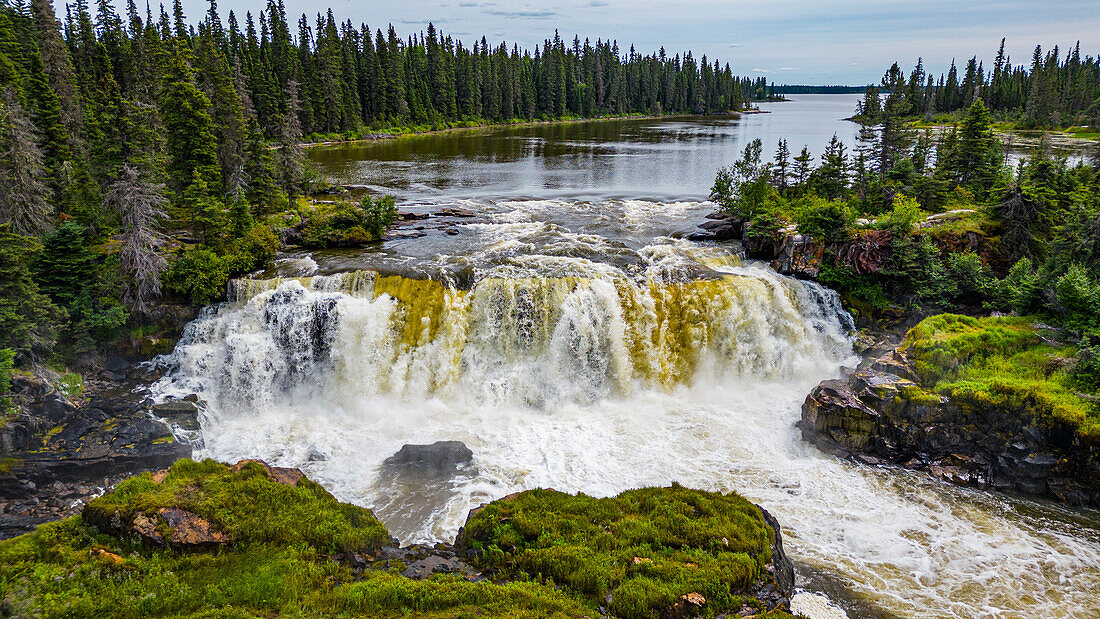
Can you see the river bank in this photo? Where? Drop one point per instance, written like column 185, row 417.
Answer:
column 393, row 133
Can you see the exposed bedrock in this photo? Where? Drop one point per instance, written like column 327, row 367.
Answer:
column 878, row 416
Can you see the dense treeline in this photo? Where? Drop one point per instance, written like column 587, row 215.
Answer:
column 140, row 151
column 1054, row 90
column 1022, row 238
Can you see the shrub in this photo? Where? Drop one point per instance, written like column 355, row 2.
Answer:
column 745, row 187
column 900, row 220
column 1018, row 289
column 970, row 277
column 829, row 220
column 345, row 224
column 199, row 274
column 1078, row 298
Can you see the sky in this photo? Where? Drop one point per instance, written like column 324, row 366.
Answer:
column 788, row 41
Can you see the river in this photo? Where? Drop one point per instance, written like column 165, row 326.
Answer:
column 572, row 339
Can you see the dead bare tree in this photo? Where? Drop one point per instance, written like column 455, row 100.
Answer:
column 140, row 205
column 22, row 190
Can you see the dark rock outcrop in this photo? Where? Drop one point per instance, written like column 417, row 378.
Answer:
column 720, row 226
column 800, row 255
column 417, row 480
column 438, row 457
column 62, row 452
column 879, row 415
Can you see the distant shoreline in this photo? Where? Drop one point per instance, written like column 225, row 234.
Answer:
column 384, row 135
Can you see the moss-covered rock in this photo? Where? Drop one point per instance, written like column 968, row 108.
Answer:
column 987, row 402
column 652, row 552
column 203, row 539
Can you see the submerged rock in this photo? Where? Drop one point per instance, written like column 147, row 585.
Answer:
column 416, row 480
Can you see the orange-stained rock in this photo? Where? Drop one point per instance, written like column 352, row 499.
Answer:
column 110, row 556
column 283, row 475
column 146, row 527
column 190, row 530
column 687, row 605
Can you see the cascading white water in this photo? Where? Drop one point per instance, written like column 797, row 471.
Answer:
column 563, row 372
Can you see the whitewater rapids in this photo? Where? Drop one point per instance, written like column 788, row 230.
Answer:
column 566, row 372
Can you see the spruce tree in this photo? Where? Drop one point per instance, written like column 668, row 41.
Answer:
column 28, row 320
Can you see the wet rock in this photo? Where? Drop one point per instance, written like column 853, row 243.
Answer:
column 182, row 413
column 880, row 414
column 799, row 255
column 455, row 211
column 65, row 454
column 416, row 480
column 438, row 564
column 440, row 456
column 116, row 364
column 720, row 226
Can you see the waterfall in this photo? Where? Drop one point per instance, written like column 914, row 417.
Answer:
column 532, row 341
column 559, row 372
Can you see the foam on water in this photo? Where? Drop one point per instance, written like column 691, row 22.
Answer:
column 560, row 371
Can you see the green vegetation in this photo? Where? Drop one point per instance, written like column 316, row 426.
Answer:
column 345, row 224
column 142, row 154
column 1056, row 91
column 1006, row 363
column 912, row 223
column 644, row 547
column 248, row 506
column 284, row 544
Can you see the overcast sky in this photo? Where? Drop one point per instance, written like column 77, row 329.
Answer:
column 788, row 41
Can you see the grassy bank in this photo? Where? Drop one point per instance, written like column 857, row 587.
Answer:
column 1011, row 363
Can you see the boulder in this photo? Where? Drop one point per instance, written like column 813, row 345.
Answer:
column 720, row 226
column 441, row 456
column 190, row 531
column 183, row 414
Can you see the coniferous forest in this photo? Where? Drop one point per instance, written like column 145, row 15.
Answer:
column 1052, row 91
column 118, row 129
column 202, row 256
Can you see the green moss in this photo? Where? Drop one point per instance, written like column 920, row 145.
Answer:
column 645, row 547
column 277, row 562
column 1000, row 362
column 557, row 554
column 6, row 465
column 248, row 506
